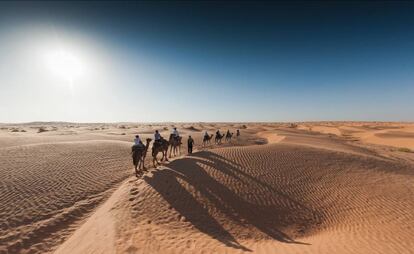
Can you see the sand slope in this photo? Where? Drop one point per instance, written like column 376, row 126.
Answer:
column 389, row 134
column 45, row 188
column 305, row 194
column 302, row 190
column 53, row 175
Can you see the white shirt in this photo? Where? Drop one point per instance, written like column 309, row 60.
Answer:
column 137, row 141
column 175, row 133
column 157, row 136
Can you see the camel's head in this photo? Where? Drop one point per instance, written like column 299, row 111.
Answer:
column 149, row 140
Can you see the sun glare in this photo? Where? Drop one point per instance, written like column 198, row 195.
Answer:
column 64, row 64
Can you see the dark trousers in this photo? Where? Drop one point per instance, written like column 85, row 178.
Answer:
column 190, row 149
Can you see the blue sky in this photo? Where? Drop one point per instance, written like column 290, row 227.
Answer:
column 163, row 61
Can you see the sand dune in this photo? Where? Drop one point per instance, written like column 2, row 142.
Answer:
column 45, row 188
column 52, row 180
column 277, row 189
column 387, row 134
column 292, row 196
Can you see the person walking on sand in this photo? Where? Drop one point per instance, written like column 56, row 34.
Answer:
column 190, row 144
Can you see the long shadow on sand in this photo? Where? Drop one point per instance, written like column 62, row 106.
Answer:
column 268, row 219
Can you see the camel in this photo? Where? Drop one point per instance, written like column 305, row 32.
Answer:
column 218, row 138
column 207, row 139
column 229, row 136
column 138, row 156
column 175, row 145
column 161, row 146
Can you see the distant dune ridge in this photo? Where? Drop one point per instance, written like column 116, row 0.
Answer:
column 322, row 187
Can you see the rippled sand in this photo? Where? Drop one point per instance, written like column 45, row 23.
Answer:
column 313, row 188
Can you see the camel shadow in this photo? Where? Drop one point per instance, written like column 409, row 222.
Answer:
column 165, row 182
column 191, row 170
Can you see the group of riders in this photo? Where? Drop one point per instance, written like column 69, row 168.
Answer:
column 158, row 138
column 176, row 137
column 161, row 145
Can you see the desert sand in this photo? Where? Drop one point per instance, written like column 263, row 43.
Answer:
column 315, row 187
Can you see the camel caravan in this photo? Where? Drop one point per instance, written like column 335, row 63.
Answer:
column 173, row 145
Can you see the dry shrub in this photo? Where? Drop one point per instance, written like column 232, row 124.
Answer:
column 293, row 125
column 405, row 150
column 42, row 129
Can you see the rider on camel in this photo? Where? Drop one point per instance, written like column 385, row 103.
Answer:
column 175, row 133
column 157, row 136
column 137, row 142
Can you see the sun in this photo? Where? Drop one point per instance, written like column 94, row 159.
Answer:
column 64, row 64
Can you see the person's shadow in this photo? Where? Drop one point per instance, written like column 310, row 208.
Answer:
column 221, row 199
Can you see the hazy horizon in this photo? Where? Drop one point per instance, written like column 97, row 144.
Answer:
column 148, row 62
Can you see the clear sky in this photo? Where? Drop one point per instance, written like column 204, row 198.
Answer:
column 163, row 61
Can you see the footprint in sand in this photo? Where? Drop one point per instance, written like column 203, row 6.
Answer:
column 134, row 191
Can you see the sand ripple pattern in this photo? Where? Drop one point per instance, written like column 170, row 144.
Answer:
column 232, row 198
column 45, row 188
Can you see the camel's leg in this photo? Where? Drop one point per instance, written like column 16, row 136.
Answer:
column 134, row 161
column 165, row 156
column 137, row 168
column 154, row 160
column 143, row 163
